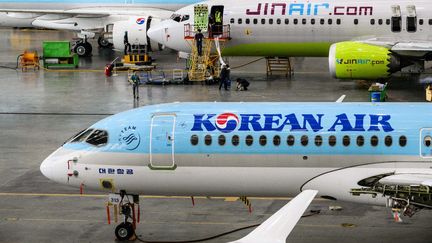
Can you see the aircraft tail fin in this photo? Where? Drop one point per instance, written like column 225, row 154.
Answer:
column 277, row 228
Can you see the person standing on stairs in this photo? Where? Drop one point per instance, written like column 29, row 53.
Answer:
column 199, row 41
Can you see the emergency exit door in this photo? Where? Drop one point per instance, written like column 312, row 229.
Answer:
column 216, row 19
column 162, row 141
column 426, row 142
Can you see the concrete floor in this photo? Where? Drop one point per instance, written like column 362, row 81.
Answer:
column 40, row 110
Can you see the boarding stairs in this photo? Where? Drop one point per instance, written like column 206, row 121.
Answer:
column 279, row 65
column 198, row 64
column 206, row 65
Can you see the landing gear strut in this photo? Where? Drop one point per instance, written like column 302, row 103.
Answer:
column 126, row 229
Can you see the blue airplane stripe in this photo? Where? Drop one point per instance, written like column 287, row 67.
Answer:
column 406, row 119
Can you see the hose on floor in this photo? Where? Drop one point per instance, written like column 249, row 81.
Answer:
column 312, row 213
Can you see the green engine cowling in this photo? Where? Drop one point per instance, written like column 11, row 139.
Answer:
column 355, row 60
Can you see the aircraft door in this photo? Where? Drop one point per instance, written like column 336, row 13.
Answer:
column 162, row 141
column 201, row 17
column 216, row 19
column 411, row 18
column 426, row 142
column 396, row 19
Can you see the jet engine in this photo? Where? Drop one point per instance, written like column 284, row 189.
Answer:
column 354, row 60
column 134, row 30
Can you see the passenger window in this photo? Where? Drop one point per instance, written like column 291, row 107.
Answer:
column 221, row 140
column 388, row 21
column 286, row 21
column 322, row 21
column 330, row 21
column 98, row 138
column 208, row 140
column 249, row 140
column 263, row 140
column 421, row 21
column 304, row 21
column 270, row 21
column 430, row 21
column 194, row 140
column 360, row 141
column 374, row 141
column 235, row 140
column 356, row 21
column 318, row 140
column 346, row 140
column 295, row 21
column 332, row 140
column 255, row 21
column 312, row 21
column 338, row 21
column 380, row 21
column 276, row 140
column 81, row 137
column 278, row 21
column 290, row 140
column 388, row 141
column 402, row 141
column 240, row 21
column 428, row 141
column 304, row 140
column 232, row 21
column 263, row 21
column 247, row 21
column 372, row 21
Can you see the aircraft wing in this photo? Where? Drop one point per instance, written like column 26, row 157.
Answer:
column 407, row 179
column 416, row 48
column 277, row 228
column 88, row 12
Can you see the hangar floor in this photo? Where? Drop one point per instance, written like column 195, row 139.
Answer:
column 40, row 110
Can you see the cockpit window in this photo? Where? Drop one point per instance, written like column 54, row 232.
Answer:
column 176, row 17
column 184, row 18
column 81, row 136
column 98, row 138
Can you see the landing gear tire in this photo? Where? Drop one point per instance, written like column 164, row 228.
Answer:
column 83, row 49
column 103, row 42
column 124, row 231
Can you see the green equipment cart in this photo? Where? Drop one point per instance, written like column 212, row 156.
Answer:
column 58, row 54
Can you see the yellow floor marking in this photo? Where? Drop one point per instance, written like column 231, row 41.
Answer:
column 231, row 199
column 228, row 199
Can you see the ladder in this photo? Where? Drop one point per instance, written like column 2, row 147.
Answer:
column 279, row 64
column 198, row 64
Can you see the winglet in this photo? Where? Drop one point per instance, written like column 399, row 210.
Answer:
column 341, row 99
column 277, row 228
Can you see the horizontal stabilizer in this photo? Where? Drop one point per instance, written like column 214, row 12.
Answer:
column 277, row 228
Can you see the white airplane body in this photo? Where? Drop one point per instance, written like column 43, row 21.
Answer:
column 373, row 37
column 378, row 154
column 108, row 20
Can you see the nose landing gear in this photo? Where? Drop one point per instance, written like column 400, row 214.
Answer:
column 126, row 229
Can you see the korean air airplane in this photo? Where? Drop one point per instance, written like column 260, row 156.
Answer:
column 378, row 154
column 108, row 20
column 367, row 39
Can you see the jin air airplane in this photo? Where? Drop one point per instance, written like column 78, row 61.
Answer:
column 367, row 39
column 108, row 20
column 378, row 154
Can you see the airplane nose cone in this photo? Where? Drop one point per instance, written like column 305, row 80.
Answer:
column 155, row 33
column 55, row 166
